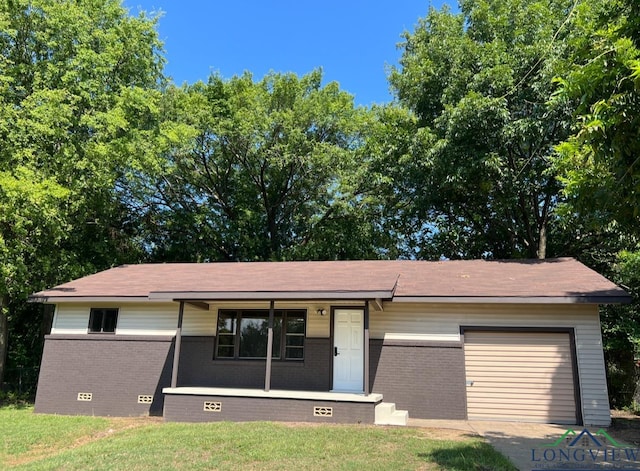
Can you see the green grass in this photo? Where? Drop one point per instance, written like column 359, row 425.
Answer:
column 45, row 442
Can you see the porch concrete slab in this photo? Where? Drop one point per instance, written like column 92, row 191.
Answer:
column 274, row 393
column 515, row 440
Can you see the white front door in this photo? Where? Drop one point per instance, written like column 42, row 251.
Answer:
column 348, row 350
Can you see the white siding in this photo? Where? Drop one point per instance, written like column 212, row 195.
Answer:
column 137, row 319
column 443, row 321
column 318, row 326
column 198, row 321
column 148, row 319
column 162, row 318
column 70, row 319
column 133, row 318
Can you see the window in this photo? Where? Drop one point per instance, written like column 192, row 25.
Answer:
column 103, row 320
column 243, row 334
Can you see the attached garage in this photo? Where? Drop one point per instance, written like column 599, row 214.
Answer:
column 521, row 376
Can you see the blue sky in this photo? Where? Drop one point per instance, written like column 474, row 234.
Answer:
column 352, row 40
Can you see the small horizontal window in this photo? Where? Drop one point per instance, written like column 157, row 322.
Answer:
column 103, row 320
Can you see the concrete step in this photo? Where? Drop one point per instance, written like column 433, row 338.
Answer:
column 386, row 414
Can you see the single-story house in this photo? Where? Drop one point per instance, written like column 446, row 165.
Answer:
column 335, row 341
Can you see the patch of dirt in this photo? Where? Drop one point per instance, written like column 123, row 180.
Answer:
column 421, row 432
column 625, row 427
column 116, row 425
column 446, row 434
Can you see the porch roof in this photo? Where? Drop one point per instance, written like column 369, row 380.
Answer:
column 558, row 280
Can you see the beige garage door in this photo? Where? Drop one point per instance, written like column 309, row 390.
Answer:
column 523, row 376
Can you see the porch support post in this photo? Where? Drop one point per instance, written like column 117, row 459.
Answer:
column 176, row 350
column 267, row 376
column 366, row 349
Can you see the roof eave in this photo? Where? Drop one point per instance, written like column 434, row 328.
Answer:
column 332, row 295
column 268, row 295
column 46, row 299
column 586, row 299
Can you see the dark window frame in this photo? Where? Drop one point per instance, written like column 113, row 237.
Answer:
column 284, row 334
column 104, row 321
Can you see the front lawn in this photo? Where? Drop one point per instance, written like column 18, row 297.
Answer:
column 48, row 442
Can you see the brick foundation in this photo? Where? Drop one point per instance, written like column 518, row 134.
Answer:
column 114, row 369
column 189, row 408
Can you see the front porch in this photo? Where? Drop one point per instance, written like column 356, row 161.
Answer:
column 204, row 404
column 255, row 346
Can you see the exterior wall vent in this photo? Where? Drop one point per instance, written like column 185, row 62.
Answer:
column 323, row 411
column 145, row 399
column 210, row 406
column 85, row 396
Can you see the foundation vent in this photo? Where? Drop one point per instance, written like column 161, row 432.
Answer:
column 85, row 396
column 323, row 411
column 145, row 399
column 210, row 406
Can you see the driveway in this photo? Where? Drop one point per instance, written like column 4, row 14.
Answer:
column 536, row 446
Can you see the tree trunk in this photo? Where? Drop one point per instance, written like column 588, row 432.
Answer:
column 4, row 335
column 542, row 242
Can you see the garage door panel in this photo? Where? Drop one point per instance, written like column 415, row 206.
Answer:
column 506, row 409
column 520, row 386
column 539, row 349
column 542, row 417
column 511, row 354
column 509, row 398
column 512, row 365
column 525, row 376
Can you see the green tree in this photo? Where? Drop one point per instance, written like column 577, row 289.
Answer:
column 253, row 170
column 77, row 113
column 600, row 164
column 599, row 168
column 479, row 81
column 387, row 181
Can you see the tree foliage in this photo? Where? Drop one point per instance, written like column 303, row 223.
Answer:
column 255, row 170
column 599, row 168
column 77, row 81
column 600, row 164
column 480, row 81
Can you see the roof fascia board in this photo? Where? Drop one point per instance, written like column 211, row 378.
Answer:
column 515, row 299
column 266, row 296
column 378, row 296
column 86, row 299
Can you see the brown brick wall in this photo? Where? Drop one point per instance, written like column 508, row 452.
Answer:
column 184, row 408
column 198, row 368
column 115, row 369
column 427, row 379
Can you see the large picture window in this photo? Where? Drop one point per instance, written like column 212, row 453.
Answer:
column 243, row 334
column 103, row 320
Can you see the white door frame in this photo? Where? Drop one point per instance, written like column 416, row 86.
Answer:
column 348, row 349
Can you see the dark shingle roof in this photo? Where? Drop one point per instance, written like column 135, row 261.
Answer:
column 403, row 280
